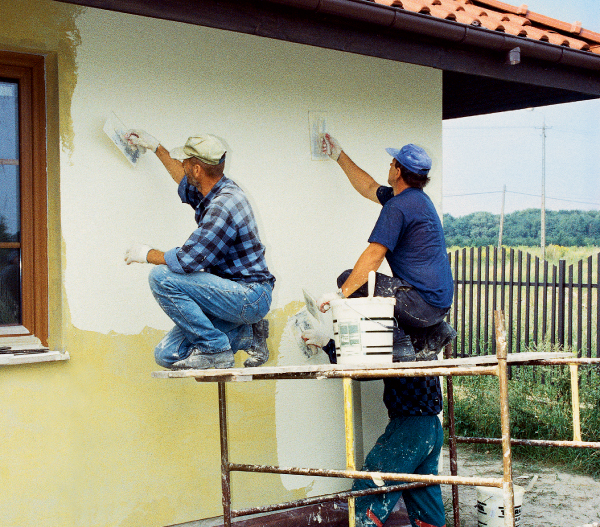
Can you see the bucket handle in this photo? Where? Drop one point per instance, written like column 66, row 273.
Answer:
column 371, row 284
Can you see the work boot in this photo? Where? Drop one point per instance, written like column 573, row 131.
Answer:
column 204, row 361
column 440, row 335
column 259, row 353
column 403, row 350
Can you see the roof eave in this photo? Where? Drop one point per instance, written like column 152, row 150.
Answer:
column 555, row 74
column 407, row 21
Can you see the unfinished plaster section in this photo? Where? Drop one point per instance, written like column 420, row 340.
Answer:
column 103, row 443
column 256, row 95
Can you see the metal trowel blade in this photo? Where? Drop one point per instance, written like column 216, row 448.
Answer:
column 311, row 305
column 115, row 130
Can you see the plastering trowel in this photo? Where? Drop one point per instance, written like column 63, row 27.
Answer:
column 311, row 305
column 116, row 130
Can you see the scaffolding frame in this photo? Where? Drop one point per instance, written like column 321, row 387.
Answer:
column 495, row 365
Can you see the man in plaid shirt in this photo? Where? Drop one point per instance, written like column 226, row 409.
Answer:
column 216, row 287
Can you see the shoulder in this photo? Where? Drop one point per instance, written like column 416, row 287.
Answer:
column 230, row 198
column 384, row 194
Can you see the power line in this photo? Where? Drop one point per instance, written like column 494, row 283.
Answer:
column 522, row 194
column 472, row 194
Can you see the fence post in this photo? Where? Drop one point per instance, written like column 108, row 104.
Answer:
column 562, row 266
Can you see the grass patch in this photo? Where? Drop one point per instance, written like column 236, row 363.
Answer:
column 540, row 408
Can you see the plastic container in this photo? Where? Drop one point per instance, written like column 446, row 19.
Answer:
column 363, row 330
column 490, row 506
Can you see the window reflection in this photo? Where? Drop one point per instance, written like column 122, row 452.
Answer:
column 10, row 286
column 10, row 257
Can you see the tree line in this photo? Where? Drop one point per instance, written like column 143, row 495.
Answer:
column 568, row 228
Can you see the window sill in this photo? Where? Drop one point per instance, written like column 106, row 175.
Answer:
column 25, row 350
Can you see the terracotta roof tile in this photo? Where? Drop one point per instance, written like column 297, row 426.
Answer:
column 506, row 18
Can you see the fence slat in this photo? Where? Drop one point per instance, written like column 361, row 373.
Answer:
column 527, row 297
column 471, row 288
column 570, row 310
column 589, row 307
column 579, row 306
column 519, row 300
column 464, row 303
column 478, row 332
column 487, row 292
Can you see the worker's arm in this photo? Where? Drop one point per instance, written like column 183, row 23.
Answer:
column 156, row 257
column 360, row 180
column 363, row 183
column 370, row 260
column 174, row 167
column 144, row 140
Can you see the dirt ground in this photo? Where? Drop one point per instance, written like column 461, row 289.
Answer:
column 553, row 498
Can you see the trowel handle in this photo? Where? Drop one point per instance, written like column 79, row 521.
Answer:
column 371, row 284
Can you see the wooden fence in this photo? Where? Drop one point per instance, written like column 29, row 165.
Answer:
column 543, row 304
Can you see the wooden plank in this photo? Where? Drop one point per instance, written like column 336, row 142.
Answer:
column 246, row 374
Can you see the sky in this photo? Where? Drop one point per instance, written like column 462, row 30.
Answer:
column 485, row 153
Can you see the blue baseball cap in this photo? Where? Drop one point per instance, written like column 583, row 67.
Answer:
column 412, row 157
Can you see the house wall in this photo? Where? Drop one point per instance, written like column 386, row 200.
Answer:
column 96, row 441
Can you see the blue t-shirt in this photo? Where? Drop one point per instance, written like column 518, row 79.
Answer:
column 410, row 228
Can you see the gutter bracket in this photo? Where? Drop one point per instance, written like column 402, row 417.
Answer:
column 513, row 57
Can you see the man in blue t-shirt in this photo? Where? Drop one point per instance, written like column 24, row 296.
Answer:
column 409, row 235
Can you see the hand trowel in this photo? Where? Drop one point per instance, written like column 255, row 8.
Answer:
column 116, row 130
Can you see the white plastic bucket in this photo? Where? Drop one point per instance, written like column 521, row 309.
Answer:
column 363, row 329
column 490, row 506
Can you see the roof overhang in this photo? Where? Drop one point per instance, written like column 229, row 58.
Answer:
column 479, row 76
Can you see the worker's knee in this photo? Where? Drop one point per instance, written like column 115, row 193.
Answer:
column 158, row 276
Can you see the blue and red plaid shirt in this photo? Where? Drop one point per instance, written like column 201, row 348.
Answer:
column 226, row 242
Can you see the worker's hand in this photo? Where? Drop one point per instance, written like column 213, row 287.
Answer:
column 142, row 140
column 324, row 301
column 316, row 337
column 137, row 253
column 331, row 147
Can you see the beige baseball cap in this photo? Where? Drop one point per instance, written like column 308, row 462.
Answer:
column 205, row 147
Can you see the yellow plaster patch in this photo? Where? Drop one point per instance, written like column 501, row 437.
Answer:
column 100, row 431
column 49, row 28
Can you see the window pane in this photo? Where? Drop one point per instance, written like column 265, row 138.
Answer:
column 9, row 204
column 9, row 164
column 10, row 286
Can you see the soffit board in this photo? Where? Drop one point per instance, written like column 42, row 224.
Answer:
column 478, row 78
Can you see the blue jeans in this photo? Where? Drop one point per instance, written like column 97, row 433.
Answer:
column 210, row 313
column 409, row 445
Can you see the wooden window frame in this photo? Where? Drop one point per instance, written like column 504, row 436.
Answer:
column 29, row 72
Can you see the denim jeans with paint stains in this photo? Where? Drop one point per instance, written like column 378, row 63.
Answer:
column 409, row 445
column 210, row 313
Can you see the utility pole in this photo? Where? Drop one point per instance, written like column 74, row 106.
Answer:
column 501, row 219
column 543, row 218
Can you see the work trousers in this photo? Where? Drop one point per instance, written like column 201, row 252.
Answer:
column 210, row 313
column 409, row 445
